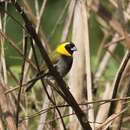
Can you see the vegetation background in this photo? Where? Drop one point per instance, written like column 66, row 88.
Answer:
column 99, row 79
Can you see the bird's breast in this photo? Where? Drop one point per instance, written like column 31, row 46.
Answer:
column 63, row 65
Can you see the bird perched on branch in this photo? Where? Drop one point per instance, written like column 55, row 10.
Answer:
column 62, row 59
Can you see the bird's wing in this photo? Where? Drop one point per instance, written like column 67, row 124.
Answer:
column 54, row 56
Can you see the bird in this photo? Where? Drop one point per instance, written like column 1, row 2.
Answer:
column 62, row 60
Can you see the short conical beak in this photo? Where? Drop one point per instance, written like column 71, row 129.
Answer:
column 74, row 49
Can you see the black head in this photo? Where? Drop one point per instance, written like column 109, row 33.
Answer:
column 70, row 47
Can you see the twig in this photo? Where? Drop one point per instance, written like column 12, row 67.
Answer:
column 40, row 13
column 58, row 20
column 12, row 75
column 68, row 20
column 105, row 60
column 13, row 44
column 88, row 64
column 60, row 106
column 21, row 81
column 13, row 18
column 117, row 79
column 111, row 118
column 43, row 117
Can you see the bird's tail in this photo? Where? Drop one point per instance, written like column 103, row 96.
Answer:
column 31, row 83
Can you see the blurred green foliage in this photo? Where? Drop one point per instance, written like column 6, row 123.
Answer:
column 50, row 18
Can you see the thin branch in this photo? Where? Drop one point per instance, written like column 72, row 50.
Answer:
column 43, row 117
column 58, row 20
column 111, row 118
column 39, row 15
column 13, row 44
column 21, row 81
column 88, row 64
column 118, row 79
column 12, row 17
column 104, row 62
column 102, row 102
column 68, row 20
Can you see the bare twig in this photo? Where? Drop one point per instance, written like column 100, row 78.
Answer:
column 13, row 44
column 105, row 60
column 88, row 65
column 45, row 104
column 39, row 14
column 68, row 20
column 21, row 82
column 58, row 20
column 118, row 78
column 6, row 111
column 108, row 122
